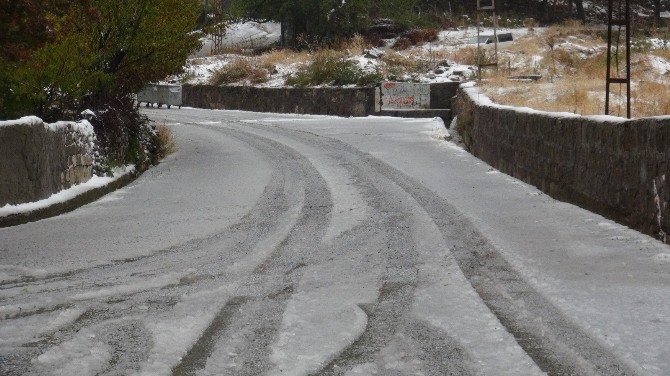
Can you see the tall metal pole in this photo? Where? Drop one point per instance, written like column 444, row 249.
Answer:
column 628, row 38
column 609, row 56
column 620, row 22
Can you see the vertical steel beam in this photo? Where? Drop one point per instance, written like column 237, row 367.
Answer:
column 628, row 38
column 620, row 22
column 610, row 9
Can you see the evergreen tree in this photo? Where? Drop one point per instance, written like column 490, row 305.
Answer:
column 322, row 19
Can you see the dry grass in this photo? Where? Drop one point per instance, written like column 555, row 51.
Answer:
column 355, row 46
column 468, row 55
column 574, row 79
column 582, row 94
column 394, row 59
column 239, row 70
column 284, row 56
column 166, row 141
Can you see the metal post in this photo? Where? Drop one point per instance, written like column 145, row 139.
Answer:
column 479, row 48
column 628, row 38
column 492, row 9
column 620, row 22
column 609, row 57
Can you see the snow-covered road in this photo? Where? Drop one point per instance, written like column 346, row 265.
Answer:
column 297, row 245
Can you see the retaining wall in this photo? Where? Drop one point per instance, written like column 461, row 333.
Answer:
column 317, row 101
column 39, row 159
column 617, row 168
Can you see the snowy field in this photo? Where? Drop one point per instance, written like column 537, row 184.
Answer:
column 567, row 59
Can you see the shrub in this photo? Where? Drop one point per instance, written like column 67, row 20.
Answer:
column 258, row 76
column 375, row 40
column 330, row 68
column 402, row 43
column 396, row 60
column 418, row 36
column 124, row 135
column 166, row 142
column 234, row 71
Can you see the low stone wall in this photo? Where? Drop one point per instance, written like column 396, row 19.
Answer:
column 39, row 159
column 619, row 169
column 317, row 101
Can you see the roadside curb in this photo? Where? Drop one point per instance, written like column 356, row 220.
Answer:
column 69, row 205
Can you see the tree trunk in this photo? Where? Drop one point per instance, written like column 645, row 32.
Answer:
column 657, row 12
column 579, row 4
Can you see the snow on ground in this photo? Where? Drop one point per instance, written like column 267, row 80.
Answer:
column 457, row 38
column 66, row 194
column 244, row 35
column 552, row 53
column 660, row 65
column 82, row 355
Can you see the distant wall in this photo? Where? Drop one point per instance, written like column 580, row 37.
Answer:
column 619, row 169
column 38, row 159
column 318, row 101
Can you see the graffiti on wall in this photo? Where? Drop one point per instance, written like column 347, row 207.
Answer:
column 405, row 96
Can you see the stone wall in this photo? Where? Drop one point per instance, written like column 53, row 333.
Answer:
column 619, row 169
column 317, row 101
column 39, row 159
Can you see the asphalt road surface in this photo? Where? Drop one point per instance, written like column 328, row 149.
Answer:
column 300, row 245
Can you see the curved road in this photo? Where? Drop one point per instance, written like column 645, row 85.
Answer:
column 300, row 245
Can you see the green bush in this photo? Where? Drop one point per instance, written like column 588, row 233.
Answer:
column 85, row 53
column 331, row 69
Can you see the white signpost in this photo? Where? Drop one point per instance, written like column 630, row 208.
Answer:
column 405, row 96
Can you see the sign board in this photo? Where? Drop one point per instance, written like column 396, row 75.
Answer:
column 405, row 96
column 169, row 95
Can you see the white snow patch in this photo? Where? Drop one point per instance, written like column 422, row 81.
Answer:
column 66, row 194
column 19, row 331
column 661, row 65
column 26, row 120
column 252, row 34
column 153, row 283
column 14, row 272
column 244, row 35
column 663, row 257
column 482, row 99
column 81, row 356
column 446, row 300
column 364, row 369
column 324, row 317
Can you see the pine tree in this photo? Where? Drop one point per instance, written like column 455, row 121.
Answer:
column 322, row 19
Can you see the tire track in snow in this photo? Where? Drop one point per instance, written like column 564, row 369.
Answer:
column 387, row 318
column 273, row 208
column 557, row 345
column 274, row 276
